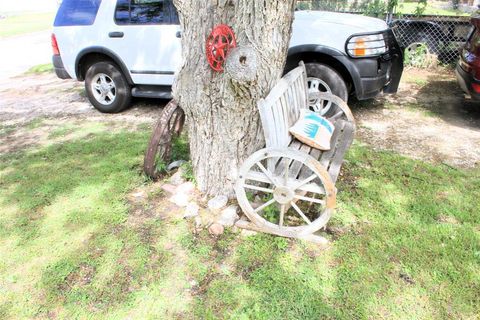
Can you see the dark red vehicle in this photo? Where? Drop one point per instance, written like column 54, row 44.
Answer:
column 468, row 67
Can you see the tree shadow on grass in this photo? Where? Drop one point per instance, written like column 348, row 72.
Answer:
column 105, row 164
column 71, row 242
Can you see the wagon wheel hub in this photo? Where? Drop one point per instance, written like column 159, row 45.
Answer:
column 283, row 195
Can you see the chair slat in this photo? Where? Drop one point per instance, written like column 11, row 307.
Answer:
column 281, row 108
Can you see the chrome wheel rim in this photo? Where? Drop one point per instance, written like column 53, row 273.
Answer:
column 318, row 105
column 104, row 89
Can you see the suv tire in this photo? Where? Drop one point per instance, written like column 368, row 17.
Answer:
column 325, row 79
column 107, row 88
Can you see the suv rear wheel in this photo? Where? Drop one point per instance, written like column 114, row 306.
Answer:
column 106, row 87
column 322, row 78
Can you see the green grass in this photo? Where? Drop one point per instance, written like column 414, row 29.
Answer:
column 74, row 247
column 26, row 23
column 410, row 7
column 40, row 69
column 6, row 130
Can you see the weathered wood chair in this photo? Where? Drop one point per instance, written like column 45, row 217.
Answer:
column 288, row 188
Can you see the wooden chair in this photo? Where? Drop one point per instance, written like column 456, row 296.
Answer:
column 288, row 188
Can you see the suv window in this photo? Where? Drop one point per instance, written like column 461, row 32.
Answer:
column 77, row 13
column 146, row 12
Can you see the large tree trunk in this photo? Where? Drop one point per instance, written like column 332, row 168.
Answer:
column 222, row 116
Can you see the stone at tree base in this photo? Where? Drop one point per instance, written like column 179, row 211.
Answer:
column 186, row 187
column 198, row 222
column 218, row 202
column 247, row 233
column 322, row 242
column 216, row 229
column 191, row 210
column 177, row 178
column 180, row 199
column 169, row 188
column 229, row 216
column 140, row 194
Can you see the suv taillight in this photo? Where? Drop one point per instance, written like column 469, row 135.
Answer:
column 55, row 45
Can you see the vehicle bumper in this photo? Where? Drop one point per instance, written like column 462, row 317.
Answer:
column 465, row 81
column 59, row 67
column 380, row 74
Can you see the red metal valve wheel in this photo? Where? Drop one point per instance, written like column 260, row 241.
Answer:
column 219, row 43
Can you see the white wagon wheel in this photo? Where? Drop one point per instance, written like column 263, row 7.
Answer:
column 338, row 109
column 295, row 199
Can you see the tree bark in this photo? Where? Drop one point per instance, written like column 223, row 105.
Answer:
column 222, row 117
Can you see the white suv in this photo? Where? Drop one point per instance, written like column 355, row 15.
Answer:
column 125, row 48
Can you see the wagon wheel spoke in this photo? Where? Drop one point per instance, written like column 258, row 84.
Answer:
column 263, row 206
column 283, row 209
column 266, row 173
column 159, row 147
column 251, row 187
column 336, row 116
column 300, row 212
column 257, row 177
column 175, row 122
column 305, row 181
column 313, row 200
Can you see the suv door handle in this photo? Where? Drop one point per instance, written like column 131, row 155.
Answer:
column 115, row 34
column 178, row 34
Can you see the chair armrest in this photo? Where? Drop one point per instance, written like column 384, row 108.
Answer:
column 336, row 100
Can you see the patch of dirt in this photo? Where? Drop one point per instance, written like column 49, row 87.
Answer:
column 447, row 219
column 81, row 277
column 428, row 119
column 25, row 100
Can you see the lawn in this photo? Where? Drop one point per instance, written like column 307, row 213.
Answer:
column 431, row 9
column 77, row 242
column 25, row 23
column 40, row 68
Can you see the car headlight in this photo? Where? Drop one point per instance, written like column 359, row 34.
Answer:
column 366, row 45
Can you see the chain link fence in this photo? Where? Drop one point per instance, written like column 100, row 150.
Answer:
column 426, row 38
column 431, row 38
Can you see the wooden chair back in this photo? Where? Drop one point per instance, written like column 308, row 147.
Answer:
column 281, row 108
